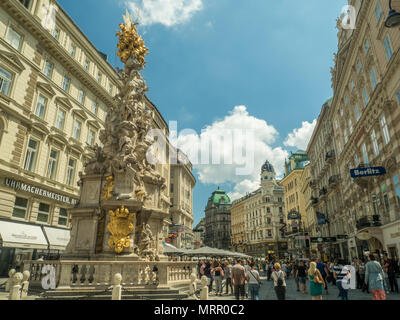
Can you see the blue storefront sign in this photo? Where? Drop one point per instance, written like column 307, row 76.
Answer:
column 367, row 172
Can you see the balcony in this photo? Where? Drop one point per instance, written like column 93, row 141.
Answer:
column 369, row 221
column 330, row 156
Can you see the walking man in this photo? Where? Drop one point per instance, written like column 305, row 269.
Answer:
column 228, row 276
column 239, row 277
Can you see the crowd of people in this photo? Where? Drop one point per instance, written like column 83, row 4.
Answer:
column 242, row 278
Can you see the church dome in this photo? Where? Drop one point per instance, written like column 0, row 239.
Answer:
column 267, row 167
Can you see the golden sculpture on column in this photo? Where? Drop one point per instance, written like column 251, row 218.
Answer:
column 120, row 227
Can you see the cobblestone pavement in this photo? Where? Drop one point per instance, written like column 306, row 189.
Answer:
column 267, row 293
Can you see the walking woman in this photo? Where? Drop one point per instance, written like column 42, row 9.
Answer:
column 317, row 282
column 279, row 282
column 374, row 278
column 218, row 274
column 254, row 282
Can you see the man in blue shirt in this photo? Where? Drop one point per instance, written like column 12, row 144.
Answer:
column 324, row 272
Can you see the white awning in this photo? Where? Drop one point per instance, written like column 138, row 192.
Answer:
column 19, row 235
column 58, row 238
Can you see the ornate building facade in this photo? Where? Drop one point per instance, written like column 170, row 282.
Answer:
column 364, row 117
column 258, row 217
column 181, row 195
column 218, row 221
column 55, row 91
column 295, row 203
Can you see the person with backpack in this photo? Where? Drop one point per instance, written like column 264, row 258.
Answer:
column 254, row 282
column 279, row 282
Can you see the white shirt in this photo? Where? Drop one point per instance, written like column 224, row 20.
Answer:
column 253, row 276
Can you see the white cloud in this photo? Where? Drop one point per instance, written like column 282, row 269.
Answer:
column 166, row 12
column 300, row 137
column 246, row 131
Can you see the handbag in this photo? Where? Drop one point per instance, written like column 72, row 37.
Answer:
column 259, row 282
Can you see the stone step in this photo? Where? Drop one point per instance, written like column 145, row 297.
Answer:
column 154, row 296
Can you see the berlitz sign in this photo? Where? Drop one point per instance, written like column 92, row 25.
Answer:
column 18, row 185
column 367, row 172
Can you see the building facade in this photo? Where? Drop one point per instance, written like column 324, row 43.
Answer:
column 295, row 231
column 365, row 119
column 199, row 233
column 55, row 90
column 218, row 221
column 258, row 217
column 181, row 197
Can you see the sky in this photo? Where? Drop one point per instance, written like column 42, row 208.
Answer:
column 259, row 68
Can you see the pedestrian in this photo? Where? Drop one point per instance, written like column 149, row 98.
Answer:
column 301, row 274
column 356, row 265
column 254, row 282
column 247, row 268
column 41, row 258
column 391, row 273
column 361, row 269
column 207, row 273
column 317, row 282
column 269, row 272
column 239, row 277
column 342, row 279
column 374, row 278
column 218, row 274
column 279, row 282
column 227, row 276
column 296, row 275
column 323, row 270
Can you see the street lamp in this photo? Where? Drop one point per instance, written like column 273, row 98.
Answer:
column 393, row 19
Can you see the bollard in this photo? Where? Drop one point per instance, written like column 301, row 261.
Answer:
column 204, row 288
column 9, row 283
column 15, row 291
column 25, row 284
column 117, row 288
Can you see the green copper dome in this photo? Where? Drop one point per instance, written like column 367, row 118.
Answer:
column 220, row 197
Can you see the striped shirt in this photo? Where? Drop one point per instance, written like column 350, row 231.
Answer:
column 340, row 272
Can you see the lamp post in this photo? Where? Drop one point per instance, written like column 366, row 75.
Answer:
column 393, row 19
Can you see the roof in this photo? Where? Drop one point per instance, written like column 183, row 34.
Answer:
column 220, row 197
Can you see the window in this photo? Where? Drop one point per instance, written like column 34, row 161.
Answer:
column 71, row 171
column 62, row 217
column 346, row 100
column 356, row 161
column 14, row 39
column 77, row 129
column 48, row 69
column 385, row 198
column 367, row 47
column 86, row 65
column 357, row 112
column 336, row 124
column 95, row 107
column 352, row 85
column 365, row 96
column 359, row 66
column 20, row 208
column 60, row 119
column 65, row 84
column 397, row 188
column 91, row 137
column 373, row 78
column 340, row 147
column 99, row 76
column 6, row 79
column 72, row 50
column 375, row 143
column 385, row 130
column 26, row 3
column 378, row 12
column 345, row 136
column 365, row 154
column 110, row 88
column 350, row 126
column 43, row 213
column 388, row 47
column 52, row 166
column 81, row 97
column 31, row 154
column 41, row 106
column 56, row 34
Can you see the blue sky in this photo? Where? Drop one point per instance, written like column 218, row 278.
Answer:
column 209, row 56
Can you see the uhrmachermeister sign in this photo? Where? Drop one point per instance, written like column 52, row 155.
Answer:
column 18, row 185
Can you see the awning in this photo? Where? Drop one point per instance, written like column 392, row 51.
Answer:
column 19, row 235
column 58, row 238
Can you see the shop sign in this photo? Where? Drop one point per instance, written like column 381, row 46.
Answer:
column 367, row 172
column 323, row 239
column 395, row 235
column 294, row 215
column 20, row 186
